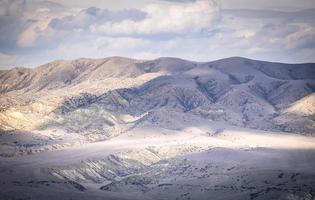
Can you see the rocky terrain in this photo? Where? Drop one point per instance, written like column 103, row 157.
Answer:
column 119, row 128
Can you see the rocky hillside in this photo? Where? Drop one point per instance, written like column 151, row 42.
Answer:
column 118, row 128
column 103, row 95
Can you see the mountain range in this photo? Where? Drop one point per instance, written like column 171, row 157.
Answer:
column 168, row 128
column 236, row 91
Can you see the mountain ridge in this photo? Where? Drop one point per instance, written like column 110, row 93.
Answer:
column 121, row 128
column 247, row 92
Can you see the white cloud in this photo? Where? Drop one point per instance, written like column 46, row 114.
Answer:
column 195, row 30
column 165, row 18
column 304, row 37
column 255, row 50
column 246, row 34
column 268, row 4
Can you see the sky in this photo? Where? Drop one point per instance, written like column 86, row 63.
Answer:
column 34, row 32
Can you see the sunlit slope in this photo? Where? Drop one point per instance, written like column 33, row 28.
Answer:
column 236, row 91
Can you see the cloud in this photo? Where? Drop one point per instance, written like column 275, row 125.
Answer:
column 34, row 33
column 5, row 57
column 11, row 22
column 166, row 19
column 20, row 22
column 303, row 38
column 95, row 16
column 284, row 5
column 155, row 21
column 179, row 1
column 306, row 15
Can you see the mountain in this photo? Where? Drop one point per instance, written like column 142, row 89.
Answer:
column 120, row 128
column 236, row 91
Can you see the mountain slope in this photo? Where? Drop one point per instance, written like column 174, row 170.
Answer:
column 118, row 128
column 236, row 91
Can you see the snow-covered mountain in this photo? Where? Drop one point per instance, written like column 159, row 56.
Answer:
column 133, row 129
column 236, row 91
